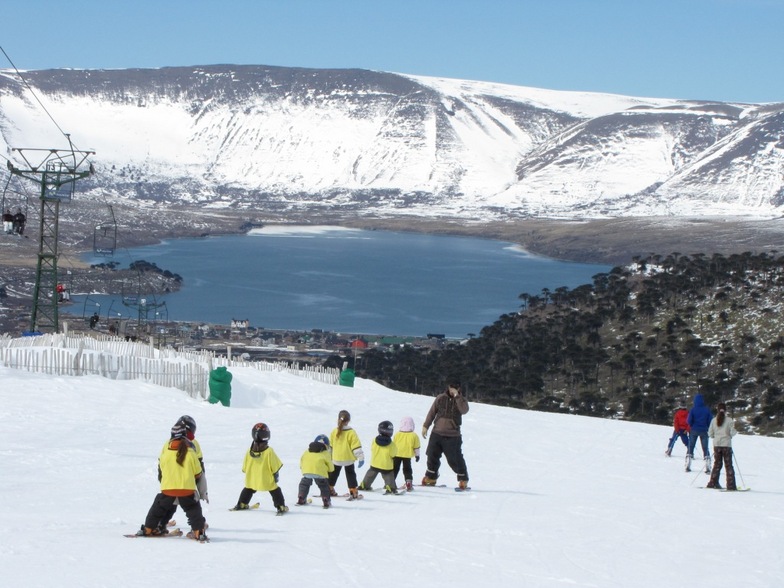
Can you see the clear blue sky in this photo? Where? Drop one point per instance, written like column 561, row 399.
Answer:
column 728, row 50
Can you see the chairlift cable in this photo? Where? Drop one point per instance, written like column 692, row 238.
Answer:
column 29, row 87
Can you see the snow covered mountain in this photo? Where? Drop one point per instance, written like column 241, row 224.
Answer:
column 280, row 139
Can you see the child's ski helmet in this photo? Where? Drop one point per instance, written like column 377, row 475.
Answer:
column 323, row 439
column 386, row 428
column 260, row 432
column 188, row 423
column 178, row 431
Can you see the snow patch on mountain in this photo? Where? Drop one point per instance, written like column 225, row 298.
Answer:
column 393, row 144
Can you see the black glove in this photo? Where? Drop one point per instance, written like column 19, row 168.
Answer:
column 417, row 459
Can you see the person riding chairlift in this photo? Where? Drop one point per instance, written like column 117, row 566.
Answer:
column 8, row 222
column 19, row 221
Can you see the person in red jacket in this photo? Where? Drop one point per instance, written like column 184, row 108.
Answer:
column 681, row 429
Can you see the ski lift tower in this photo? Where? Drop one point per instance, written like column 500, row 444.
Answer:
column 56, row 172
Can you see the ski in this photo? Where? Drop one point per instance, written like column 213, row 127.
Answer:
column 724, row 489
column 431, row 485
column 466, row 489
column 348, row 496
column 171, row 533
column 253, row 506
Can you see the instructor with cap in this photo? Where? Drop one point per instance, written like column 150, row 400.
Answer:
column 446, row 416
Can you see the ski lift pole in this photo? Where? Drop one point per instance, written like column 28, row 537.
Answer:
column 56, row 172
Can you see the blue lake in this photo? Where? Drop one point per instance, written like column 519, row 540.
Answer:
column 342, row 280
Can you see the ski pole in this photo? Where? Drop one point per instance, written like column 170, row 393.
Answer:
column 737, row 467
column 695, row 477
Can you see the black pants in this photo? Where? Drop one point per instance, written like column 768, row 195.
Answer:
column 163, row 507
column 277, row 496
column 408, row 473
column 305, row 484
column 452, row 449
column 351, row 475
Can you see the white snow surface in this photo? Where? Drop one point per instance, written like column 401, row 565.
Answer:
column 464, row 147
column 557, row 500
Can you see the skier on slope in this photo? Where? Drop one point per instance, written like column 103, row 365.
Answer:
column 346, row 450
column 699, row 420
column 316, row 464
column 680, row 426
column 180, row 470
column 201, row 483
column 382, row 455
column 261, row 467
column 407, row 443
column 721, row 430
column 446, row 416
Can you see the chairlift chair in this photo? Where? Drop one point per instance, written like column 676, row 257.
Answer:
column 15, row 199
column 105, row 236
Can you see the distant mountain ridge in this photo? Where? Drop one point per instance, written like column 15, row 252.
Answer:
column 374, row 143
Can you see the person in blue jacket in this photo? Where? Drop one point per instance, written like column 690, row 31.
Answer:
column 699, row 420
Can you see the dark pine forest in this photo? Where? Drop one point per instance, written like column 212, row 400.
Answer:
column 634, row 344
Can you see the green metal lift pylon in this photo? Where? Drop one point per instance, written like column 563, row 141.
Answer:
column 56, row 172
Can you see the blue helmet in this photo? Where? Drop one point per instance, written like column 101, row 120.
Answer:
column 323, row 439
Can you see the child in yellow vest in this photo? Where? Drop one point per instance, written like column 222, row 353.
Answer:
column 316, row 464
column 179, row 470
column 382, row 455
column 261, row 466
column 407, row 443
column 346, row 449
column 201, row 483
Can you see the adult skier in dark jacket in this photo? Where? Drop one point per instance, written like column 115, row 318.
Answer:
column 446, row 416
column 699, row 420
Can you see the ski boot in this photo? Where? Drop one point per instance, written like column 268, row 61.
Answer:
column 688, row 462
column 198, row 535
column 409, row 485
column 707, row 465
column 327, row 501
column 147, row 532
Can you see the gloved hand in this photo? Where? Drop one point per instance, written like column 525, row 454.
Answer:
column 206, row 498
column 275, row 475
column 424, row 432
column 417, row 459
column 361, row 463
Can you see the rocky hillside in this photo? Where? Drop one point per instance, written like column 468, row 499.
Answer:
column 283, row 141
